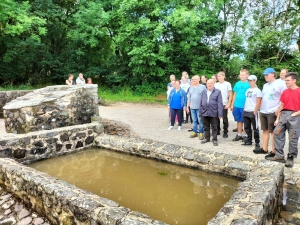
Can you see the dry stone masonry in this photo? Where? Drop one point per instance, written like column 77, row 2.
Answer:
column 51, row 107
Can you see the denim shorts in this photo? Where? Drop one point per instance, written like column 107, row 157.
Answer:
column 238, row 114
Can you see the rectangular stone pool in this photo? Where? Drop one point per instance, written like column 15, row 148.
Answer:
column 166, row 192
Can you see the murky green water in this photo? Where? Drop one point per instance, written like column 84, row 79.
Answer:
column 181, row 196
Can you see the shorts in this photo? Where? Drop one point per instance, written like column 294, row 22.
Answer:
column 238, row 114
column 267, row 121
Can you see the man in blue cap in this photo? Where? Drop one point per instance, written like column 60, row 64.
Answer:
column 271, row 93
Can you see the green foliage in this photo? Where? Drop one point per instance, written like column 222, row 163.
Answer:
column 125, row 94
column 138, row 44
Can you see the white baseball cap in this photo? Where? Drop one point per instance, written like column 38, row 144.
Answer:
column 252, row 77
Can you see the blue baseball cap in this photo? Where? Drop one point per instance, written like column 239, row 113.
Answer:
column 268, row 70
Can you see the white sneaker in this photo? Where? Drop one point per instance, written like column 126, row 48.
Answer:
column 179, row 127
column 170, row 128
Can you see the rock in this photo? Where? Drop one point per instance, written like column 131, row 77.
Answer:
column 25, row 221
column 64, row 137
column 38, row 221
column 79, row 144
column 24, row 213
column 89, row 140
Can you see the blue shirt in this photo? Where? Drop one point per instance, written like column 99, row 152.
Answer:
column 240, row 89
column 176, row 101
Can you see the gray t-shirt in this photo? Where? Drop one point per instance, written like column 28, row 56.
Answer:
column 194, row 96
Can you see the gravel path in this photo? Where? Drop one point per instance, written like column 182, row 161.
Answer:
column 151, row 121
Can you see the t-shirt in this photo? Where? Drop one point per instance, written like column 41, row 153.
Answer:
column 79, row 81
column 224, row 88
column 283, row 81
column 185, row 86
column 194, row 96
column 291, row 99
column 271, row 93
column 251, row 95
column 240, row 89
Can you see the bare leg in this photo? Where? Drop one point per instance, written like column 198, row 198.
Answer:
column 265, row 139
column 273, row 143
column 239, row 127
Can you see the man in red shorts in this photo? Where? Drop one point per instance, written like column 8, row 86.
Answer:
column 288, row 118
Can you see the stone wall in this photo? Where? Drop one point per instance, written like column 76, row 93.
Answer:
column 112, row 127
column 7, row 96
column 257, row 200
column 28, row 148
column 51, row 107
column 63, row 203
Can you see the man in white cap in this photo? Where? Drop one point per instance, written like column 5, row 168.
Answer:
column 250, row 114
column 271, row 93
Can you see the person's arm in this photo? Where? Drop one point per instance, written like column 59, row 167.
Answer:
column 278, row 113
column 68, row 82
column 188, row 101
column 258, row 104
column 232, row 102
column 220, row 105
column 227, row 106
column 296, row 113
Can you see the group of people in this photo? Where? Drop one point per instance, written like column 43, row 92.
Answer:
column 277, row 105
column 80, row 80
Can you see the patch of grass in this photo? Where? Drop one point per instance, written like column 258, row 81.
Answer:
column 126, row 95
column 20, row 87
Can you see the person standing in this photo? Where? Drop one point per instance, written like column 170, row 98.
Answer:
column 176, row 104
column 80, row 79
column 288, row 118
column 203, row 80
column 185, row 86
column 193, row 99
column 172, row 80
column 70, row 80
column 250, row 114
column 271, row 93
column 186, row 75
column 282, row 74
column 211, row 107
column 226, row 91
column 238, row 102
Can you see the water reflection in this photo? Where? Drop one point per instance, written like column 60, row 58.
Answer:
column 181, row 196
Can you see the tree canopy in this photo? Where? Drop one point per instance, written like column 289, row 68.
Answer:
column 140, row 43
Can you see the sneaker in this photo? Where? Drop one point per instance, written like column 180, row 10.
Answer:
column 191, row 129
column 270, row 155
column 289, row 162
column 215, row 143
column 277, row 159
column 261, row 151
column 170, row 128
column 225, row 135
column 179, row 127
column 257, row 147
column 237, row 138
column 193, row 135
column 201, row 136
column 234, row 130
column 245, row 138
column 246, row 143
column 204, row 141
